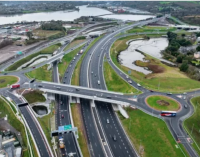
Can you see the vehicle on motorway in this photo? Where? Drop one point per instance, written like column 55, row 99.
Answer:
column 33, row 67
column 77, row 89
column 127, row 76
column 107, row 121
column 5, row 73
column 62, row 116
column 130, row 81
column 40, row 86
column 168, row 113
column 169, row 93
column 54, row 53
column 81, row 51
column 138, row 85
column 58, row 88
column 109, row 97
column 14, row 86
column 74, row 58
column 61, row 143
column 151, row 90
column 114, row 138
column 98, row 82
column 185, row 106
column 95, row 75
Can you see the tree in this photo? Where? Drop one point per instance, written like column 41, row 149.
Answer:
column 29, row 35
column 184, row 66
column 198, row 48
column 179, row 58
column 183, row 35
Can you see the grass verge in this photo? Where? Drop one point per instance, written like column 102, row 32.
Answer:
column 34, row 96
column 165, row 79
column 79, row 124
column 115, row 82
column 66, row 60
column 48, row 50
column 148, row 133
column 75, row 76
column 160, row 103
column 41, row 74
column 7, row 80
column 192, row 123
column 73, row 44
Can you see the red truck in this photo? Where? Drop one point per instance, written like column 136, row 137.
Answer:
column 14, row 86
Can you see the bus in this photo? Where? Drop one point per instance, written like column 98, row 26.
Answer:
column 168, row 113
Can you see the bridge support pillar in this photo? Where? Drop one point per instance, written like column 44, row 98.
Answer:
column 70, row 99
column 78, row 100
column 92, row 103
column 122, row 111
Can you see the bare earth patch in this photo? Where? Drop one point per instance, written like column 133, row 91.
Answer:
column 2, row 80
column 163, row 103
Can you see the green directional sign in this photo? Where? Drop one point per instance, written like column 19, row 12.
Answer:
column 67, row 127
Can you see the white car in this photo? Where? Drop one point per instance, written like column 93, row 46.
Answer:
column 130, row 81
column 127, row 76
column 138, row 85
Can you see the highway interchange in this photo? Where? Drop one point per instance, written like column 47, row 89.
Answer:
column 95, row 115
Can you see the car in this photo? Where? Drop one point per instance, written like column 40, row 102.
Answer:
column 184, row 93
column 138, row 85
column 33, row 67
column 169, row 93
column 65, row 76
column 107, row 121
column 40, row 86
column 185, row 106
column 77, row 54
column 127, row 76
column 74, row 57
column 109, row 97
column 184, row 97
column 58, row 88
column 77, row 89
column 95, row 75
column 64, row 82
column 62, row 116
column 130, row 81
column 92, row 72
column 67, row 71
column 70, row 65
column 98, row 82
column 5, row 73
column 151, row 90
column 114, row 138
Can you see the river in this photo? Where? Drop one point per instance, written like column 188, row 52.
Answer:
column 67, row 16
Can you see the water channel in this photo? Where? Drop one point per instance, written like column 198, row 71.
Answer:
column 67, row 16
column 153, row 47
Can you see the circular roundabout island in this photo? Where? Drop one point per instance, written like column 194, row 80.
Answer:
column 162, row 103
column 7, row 80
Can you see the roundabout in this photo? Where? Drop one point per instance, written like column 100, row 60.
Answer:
column 160, row 103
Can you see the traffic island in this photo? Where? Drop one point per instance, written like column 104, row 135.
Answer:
column 8, row 80
column 160, row 103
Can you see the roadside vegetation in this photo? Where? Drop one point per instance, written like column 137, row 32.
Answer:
column 164, row 78
column 160, row 103
column 14, row 122
column 115, row 82
column 148, row 133
column 78, row 122
column 75, row 76
column 46, row 33
column 73, row 44
column 62, row 66
column 48, row 50
column 151, row 29
column 7, row 80
column 192, row 123
column 41, row 73
column 34, row 96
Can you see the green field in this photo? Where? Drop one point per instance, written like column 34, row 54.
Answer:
column 7, row 80
column 150, row 134
column 172, row 104
column 66, row 60
column 192, row 123
column 41, row 74
column 151, row 29
column 48, row 50
column 116, row 83
column 34, row 96
column 75, row 76
column 13, row 121
column 78, row 123
column 170, row 79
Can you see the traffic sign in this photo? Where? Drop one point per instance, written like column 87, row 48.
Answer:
column 129, row 72
column 61, row 128
column 67, row 127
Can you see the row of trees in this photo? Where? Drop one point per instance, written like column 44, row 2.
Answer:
column 53, row 25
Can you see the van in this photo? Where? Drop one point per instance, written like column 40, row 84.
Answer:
column 98, row 82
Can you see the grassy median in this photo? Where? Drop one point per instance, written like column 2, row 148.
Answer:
column 150, row 135
column 116, row 83
column 34, row 96
column 7, row 80
column 165, row 80
column 78, row 122
column 160, row 103
column 192, row 123
column 73, row 44
column 66, row 60
column 151, row 29
column 41, row 74
column 48, row 50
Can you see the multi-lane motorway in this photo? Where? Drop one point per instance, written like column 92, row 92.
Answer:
column 108, row 138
